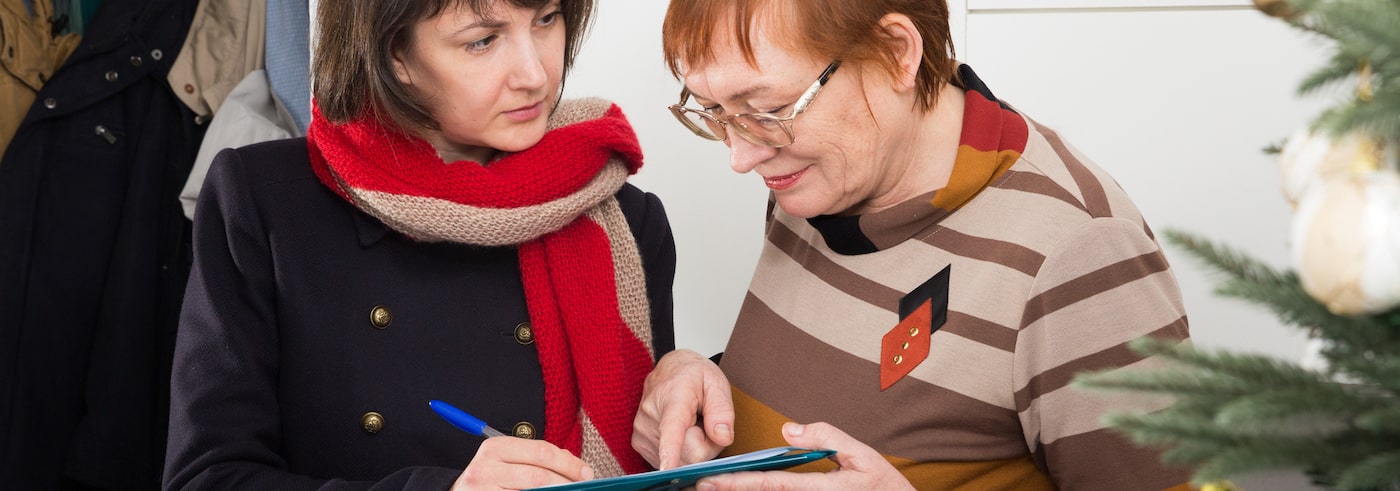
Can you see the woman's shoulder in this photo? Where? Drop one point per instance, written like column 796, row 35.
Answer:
column 263, row 163
column 273, row 173
column 642, row 209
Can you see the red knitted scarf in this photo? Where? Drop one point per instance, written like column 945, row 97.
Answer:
column 584, row 283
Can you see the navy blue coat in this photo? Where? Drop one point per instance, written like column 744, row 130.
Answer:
column 94, row 253
column 277, row 360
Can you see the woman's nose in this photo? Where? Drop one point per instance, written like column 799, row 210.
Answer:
column 744, row 155
column 529, row 72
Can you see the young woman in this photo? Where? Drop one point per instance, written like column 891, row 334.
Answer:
column 447, row 230
column 936, row 269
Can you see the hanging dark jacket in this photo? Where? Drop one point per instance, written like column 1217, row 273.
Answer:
column 94, row 255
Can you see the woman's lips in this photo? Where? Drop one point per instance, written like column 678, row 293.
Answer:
column 526, row 113
column 779, row 183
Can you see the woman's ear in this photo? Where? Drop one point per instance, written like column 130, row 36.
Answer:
column 401, row 71
column 908, row 48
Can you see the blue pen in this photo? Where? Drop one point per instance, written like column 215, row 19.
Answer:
column 461, row 419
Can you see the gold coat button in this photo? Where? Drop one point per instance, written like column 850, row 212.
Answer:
column 524, row 333
column 380, row 317
column 524, row 430
column 372, row 422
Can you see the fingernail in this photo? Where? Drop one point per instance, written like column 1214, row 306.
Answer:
column 793, row 429
column 724, row 431
column 587, row 472
column 704, row 486
column 661, row 461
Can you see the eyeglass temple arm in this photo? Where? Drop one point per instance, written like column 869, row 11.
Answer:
column 816, row 88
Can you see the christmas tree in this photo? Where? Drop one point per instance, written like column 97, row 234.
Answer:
column 1238, row 413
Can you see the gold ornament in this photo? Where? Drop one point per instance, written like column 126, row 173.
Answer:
column 1346, row 242
column 1309, row 159
column 1220, row 486
column 1276, row 8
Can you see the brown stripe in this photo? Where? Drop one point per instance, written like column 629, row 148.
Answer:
column 808, row 381
column 833, row 274
column 1117, row 356
column 1093, row 283
column 1038, row 184
column 1089, row 186
column 1129, row 466
column 981, row 330
column 1011, row 255
column 891, row 227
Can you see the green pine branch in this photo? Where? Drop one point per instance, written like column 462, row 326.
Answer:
column 1362, row 31
column 1236, row 413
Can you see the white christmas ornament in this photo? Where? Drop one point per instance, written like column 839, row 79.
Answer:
column 1309, row 159
column 1346, row 242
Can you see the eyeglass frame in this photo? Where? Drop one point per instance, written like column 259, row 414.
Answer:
column 803, row 102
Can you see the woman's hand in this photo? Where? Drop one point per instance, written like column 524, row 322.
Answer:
column 683, row 390
column 516, row 463
column 860, row 467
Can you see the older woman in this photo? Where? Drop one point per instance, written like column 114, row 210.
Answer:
column 447, row 230
column 936, row 269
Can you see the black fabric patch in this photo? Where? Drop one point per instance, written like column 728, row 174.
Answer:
column 934, row 290
column 843, row 234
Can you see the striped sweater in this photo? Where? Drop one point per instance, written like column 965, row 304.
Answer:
column 1052, row 271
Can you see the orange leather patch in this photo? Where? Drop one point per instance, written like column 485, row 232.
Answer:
column 905, row 346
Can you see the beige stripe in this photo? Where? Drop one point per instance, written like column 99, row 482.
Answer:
column 773, row 360
column 1034, row 183
column 1116, row 356
column 871, row 292
column 436, row 220
column 1090, row 187
column 781, row 237
column 981, row 330
column 1011, row 255
column 1112, row 317
column 1038, row 151
column 890, row 227
column 853, row 325
column 1094, row 283
column 629, row 276
column 1074, row 411
column 1033, row 221
column 910, row 264
column 595, row 451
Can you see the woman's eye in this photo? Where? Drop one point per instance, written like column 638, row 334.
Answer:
column 777, row 110
column 481, row 44
column 714, row 110
column 550, row 18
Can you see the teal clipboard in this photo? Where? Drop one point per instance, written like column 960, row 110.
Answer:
column 686, row 476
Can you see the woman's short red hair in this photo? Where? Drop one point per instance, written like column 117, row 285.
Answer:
column 822, row 30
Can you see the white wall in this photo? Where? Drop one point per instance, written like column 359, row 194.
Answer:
column 716, row 215
column 1174, row 97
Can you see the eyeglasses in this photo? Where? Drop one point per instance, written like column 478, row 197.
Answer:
column 760, row 128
